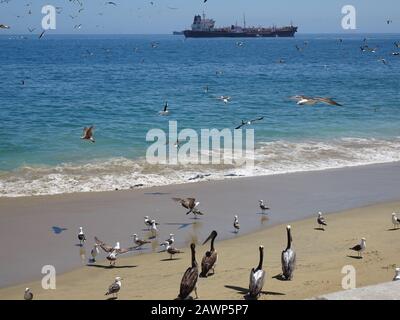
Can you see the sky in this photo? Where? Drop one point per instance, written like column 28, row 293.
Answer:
column 165, row 16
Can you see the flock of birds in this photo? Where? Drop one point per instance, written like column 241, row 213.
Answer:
column 209, row 261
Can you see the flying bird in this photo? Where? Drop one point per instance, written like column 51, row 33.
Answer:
column 305, row 100
column 360, row 248
column 42, row 34
column 114, row 288
column 191, row 204
column 225, row 99
column 288, row 257
column 113, row 252
column 257, row 276
column 249, row 122
column 3, row 26
column 165, row 111
column 210, row 258
column 190, row 277
column 88, row 134
column 111, row 3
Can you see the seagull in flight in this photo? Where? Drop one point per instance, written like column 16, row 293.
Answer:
column 225, row 99
column 113, row 252
column 305, row 100
column 111, row 3
column 165, row 111
column 249, row 122
column 88, row 134
column 3, row 26
column 191, row 204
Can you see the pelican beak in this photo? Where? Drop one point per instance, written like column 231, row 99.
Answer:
column 209, row 237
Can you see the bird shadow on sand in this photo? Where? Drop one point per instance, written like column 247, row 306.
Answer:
column 181, row 225
column 319, row 229
column 393, row 229
column 168, row 259
column 245, row 292
column 354, row 257
column 109, row 267
column 78, row 245
column 279, row 277
column 156, row 193
column 112, row 298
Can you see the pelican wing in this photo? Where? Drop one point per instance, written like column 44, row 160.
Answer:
column 328, row 101
column 288, row 260
column 208, row 261
column 102, row 245
column 188, row 282
column 256, row 282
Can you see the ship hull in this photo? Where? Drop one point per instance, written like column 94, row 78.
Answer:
column 223, row 34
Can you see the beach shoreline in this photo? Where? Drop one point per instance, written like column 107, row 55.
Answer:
column 321, row 255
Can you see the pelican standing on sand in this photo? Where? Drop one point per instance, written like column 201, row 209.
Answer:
column 28, row 295
column 94, row 252
column 81, row 236
column 321, row 221
column 257, row 276
column 288, row 257
column 139, row 242
column 360, row 248
column 113, row 252
column 263, row 207
column 397, row 274
column 395, row 220
column 236, row 224
column 190, row 277
column 210, row 258
column 88, row 134
column 114, row 287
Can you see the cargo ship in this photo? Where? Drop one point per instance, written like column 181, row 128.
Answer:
column 205, row 28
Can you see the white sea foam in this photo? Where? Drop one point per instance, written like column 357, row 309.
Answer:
column 270, row 158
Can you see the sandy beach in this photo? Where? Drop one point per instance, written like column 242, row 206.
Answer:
column 321, row 256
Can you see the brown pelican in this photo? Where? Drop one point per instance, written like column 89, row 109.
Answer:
column 113, row 252
column 191, row 204
column 321, row 221
column 114, row 287
column 94, row 252
column 397, row 275
column 360, row 248
column 28, row 295
column 139, row 242
column 88, row 134
column 288, row 258
column 170, row 250
column 263, row 207
column 81, row 236
column 236, row 224
column 302, row 100
column 189, row 279
column 210, row 258
column 257, row 276
column 395, row 220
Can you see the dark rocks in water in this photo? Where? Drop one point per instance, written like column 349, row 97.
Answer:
column 200, row 176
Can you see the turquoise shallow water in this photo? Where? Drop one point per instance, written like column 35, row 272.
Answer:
column 119, row 83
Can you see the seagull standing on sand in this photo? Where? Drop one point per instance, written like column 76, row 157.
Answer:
column 288, row 257
column 139, row 242
column 153, row 228
column 28, row 295
column 115, row 287
column 360, row 248
column 165, row 111
column 395, row 220
column 236, row 224
column 88, row 134
column 147, row 222
column 81, row 236
column 171, row 250
column 94, row 252
column 321, row 221
column 257, row 276
column 263, row 207
column 397, row 275
column 171, row 239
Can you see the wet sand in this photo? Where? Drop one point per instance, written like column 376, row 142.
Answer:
column 321, row 256
column 27, row 241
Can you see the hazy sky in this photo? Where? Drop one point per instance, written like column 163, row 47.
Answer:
column 164, row 16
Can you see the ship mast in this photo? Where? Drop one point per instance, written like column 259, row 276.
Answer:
column 244, row 21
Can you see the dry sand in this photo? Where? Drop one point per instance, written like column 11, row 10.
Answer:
column 320, row 258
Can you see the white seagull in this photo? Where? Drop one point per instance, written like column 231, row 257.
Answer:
column 263, row 207
column 225, row 99
column 115, row 287
column 28, row 295
column 395, row 220
column 113, row 252
column 165, row 111
column 360, row 248
column 81, row 236
column 236, row 224
column 397, row 274
column 153, row 228
column 94, row 252
column 305, row 100
column 321, row 221
column 171, row 250
column 171, row 239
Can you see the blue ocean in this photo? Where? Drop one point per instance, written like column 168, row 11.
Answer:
column 53, row 87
